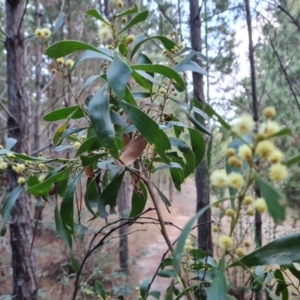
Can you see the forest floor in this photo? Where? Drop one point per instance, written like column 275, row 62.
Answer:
column 146, row 248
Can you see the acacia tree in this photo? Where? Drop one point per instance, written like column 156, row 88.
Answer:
column 21, row 225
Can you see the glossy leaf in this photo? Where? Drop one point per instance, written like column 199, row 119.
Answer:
column 63, row 48
column 91, row 195
column 282, row 132
column 88, row 83
column 149, row 129
column 129, row 11
column 198, row 145
column 9, row 143
column 109, row 196
column 60, row 229
column 212, row 113
column 176, row 173
column 178, row 252
column 292, row 161
column 96, row 14
column 100, row 290
column 138, row 203
column 9, row 205
column 163, row 70
column 198, row 125
column 59, row 22
column 187, row 153
column 144, row 287
column 67, row 205
column 118, row 75
column 57, row 135
column 64, row 113
column 281, row 251
column 69, row 132
column 167, row 273
column 167, row 43
column 142, row 16
column 155, row 294
column 101, row 122
column 163, row 198
column 274, row 199
column 90, row 144
column 282, row 286
column 140, row 80
column 117, row 119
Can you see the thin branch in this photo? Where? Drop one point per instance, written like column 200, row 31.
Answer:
column 21, row 21
column 127, row 233
column 295, row 22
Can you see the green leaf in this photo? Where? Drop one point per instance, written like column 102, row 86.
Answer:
column 144, row 287
column 128, row 97
column 198, row 125
column 100, row 118
column 293, row 270
column 96, row 14
column 282, row 286
column 89, row 160
column 60, row 229
column 44, row 187
column 218, row 289
column 64, row 113
column 165, row 71
column 63, row 48
column 31, row 158
column 143, row 82
column 282, row 132
column 212, row 113
column 182, row 238
column 177, row 173
column 198, row 145
column 167, row 273
column 187, row 153
column 292, row 161
column 155, row 294
column 149, row 129
column 163, row 198
column 89, row 145
column 274, row 199
column 282, row 251
column 138, row 203
column 129, row 11
column 109, row 196
column 69, row 132
column 88, row 82
column 142, row 16
column 9, row 205
column 57, row 135
column 100, row 289
column 118, row 75
column 168, row 44
column 59, row 23
column 67, row 205
column 92, row 195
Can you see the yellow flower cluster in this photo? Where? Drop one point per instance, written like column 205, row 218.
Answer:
column 225, row 242
column 104, row 32
column 220, row 179
column 43, row 33
column 19, row 168
column 245, row 124
column 3, row 164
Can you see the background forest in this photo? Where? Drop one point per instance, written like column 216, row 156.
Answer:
column 249, row 59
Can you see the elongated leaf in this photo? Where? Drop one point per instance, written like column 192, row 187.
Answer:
column 282, row 286
column 168, row 44
column 218, row 289
column 165, row 71
column 163, row 198
column 155, row 294
column 167, row 273
column 57, row 135
column 100, row 290
column 282, row 132
column 69, row 132
column 31, row 158
column 273, row 197
column 143, row 82
column 292, row 161
column 138, row 203
column 117, row 119
column 212, row 113
column 182, row 238
column 282, row 251
column 198, row 125
column 59, row 23
column 142, row 16
column 88, row 82
column 44, row 187
column 92, row 195
column 144, row 287
column 187, row 153
column 129, row 11
column 177, row 174
column 149, row 129
column 198, row 145
column 9, row 205
column 100, row 118
column 118, row 75
column 109, row 196
column 10, row 142
column 128, row 97
column 96, row 14
column 63, row 48
column 89, row 145
column 67, row 205
column 60, row 229
column 64, row 113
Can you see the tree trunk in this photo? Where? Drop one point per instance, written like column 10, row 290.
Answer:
column 23, row 262
column 202, row 172
column 124, row 229
column 36, row 130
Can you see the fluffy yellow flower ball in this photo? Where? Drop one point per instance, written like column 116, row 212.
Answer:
column 218, row 178
column 19, row 168
column 269, row 112
column 260, row 205
column 60, row 61
column 244, row 125
column 225, row 242
column 130, row 39
column 229, row 212
column 235, row 180
column 38, row 33
column 247, row 243
column 104, row 33
column 3, row 165
column 250, row 212
column 69, row 63
column 245, row 152
column 21, row 180
column 77, row 145
column 42, row 177
column 264, row 149
column 248, row 200
column 278, row 172
column 269, row 128
column 234, row 161
column 230, row 152
column 46, row 33
column 276, row 157
column 240, row 252
column 215, row 228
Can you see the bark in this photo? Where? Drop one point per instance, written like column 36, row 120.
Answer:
column 202, row 172
column 23, row 262
column 36, row 130
column 123, row 254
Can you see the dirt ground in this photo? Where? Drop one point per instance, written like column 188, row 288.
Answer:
column 146, row 247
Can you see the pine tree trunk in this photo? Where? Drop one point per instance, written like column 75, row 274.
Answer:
column 202, row 172
column 23, row 262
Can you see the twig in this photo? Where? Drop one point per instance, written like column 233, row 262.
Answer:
column 127, row 233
